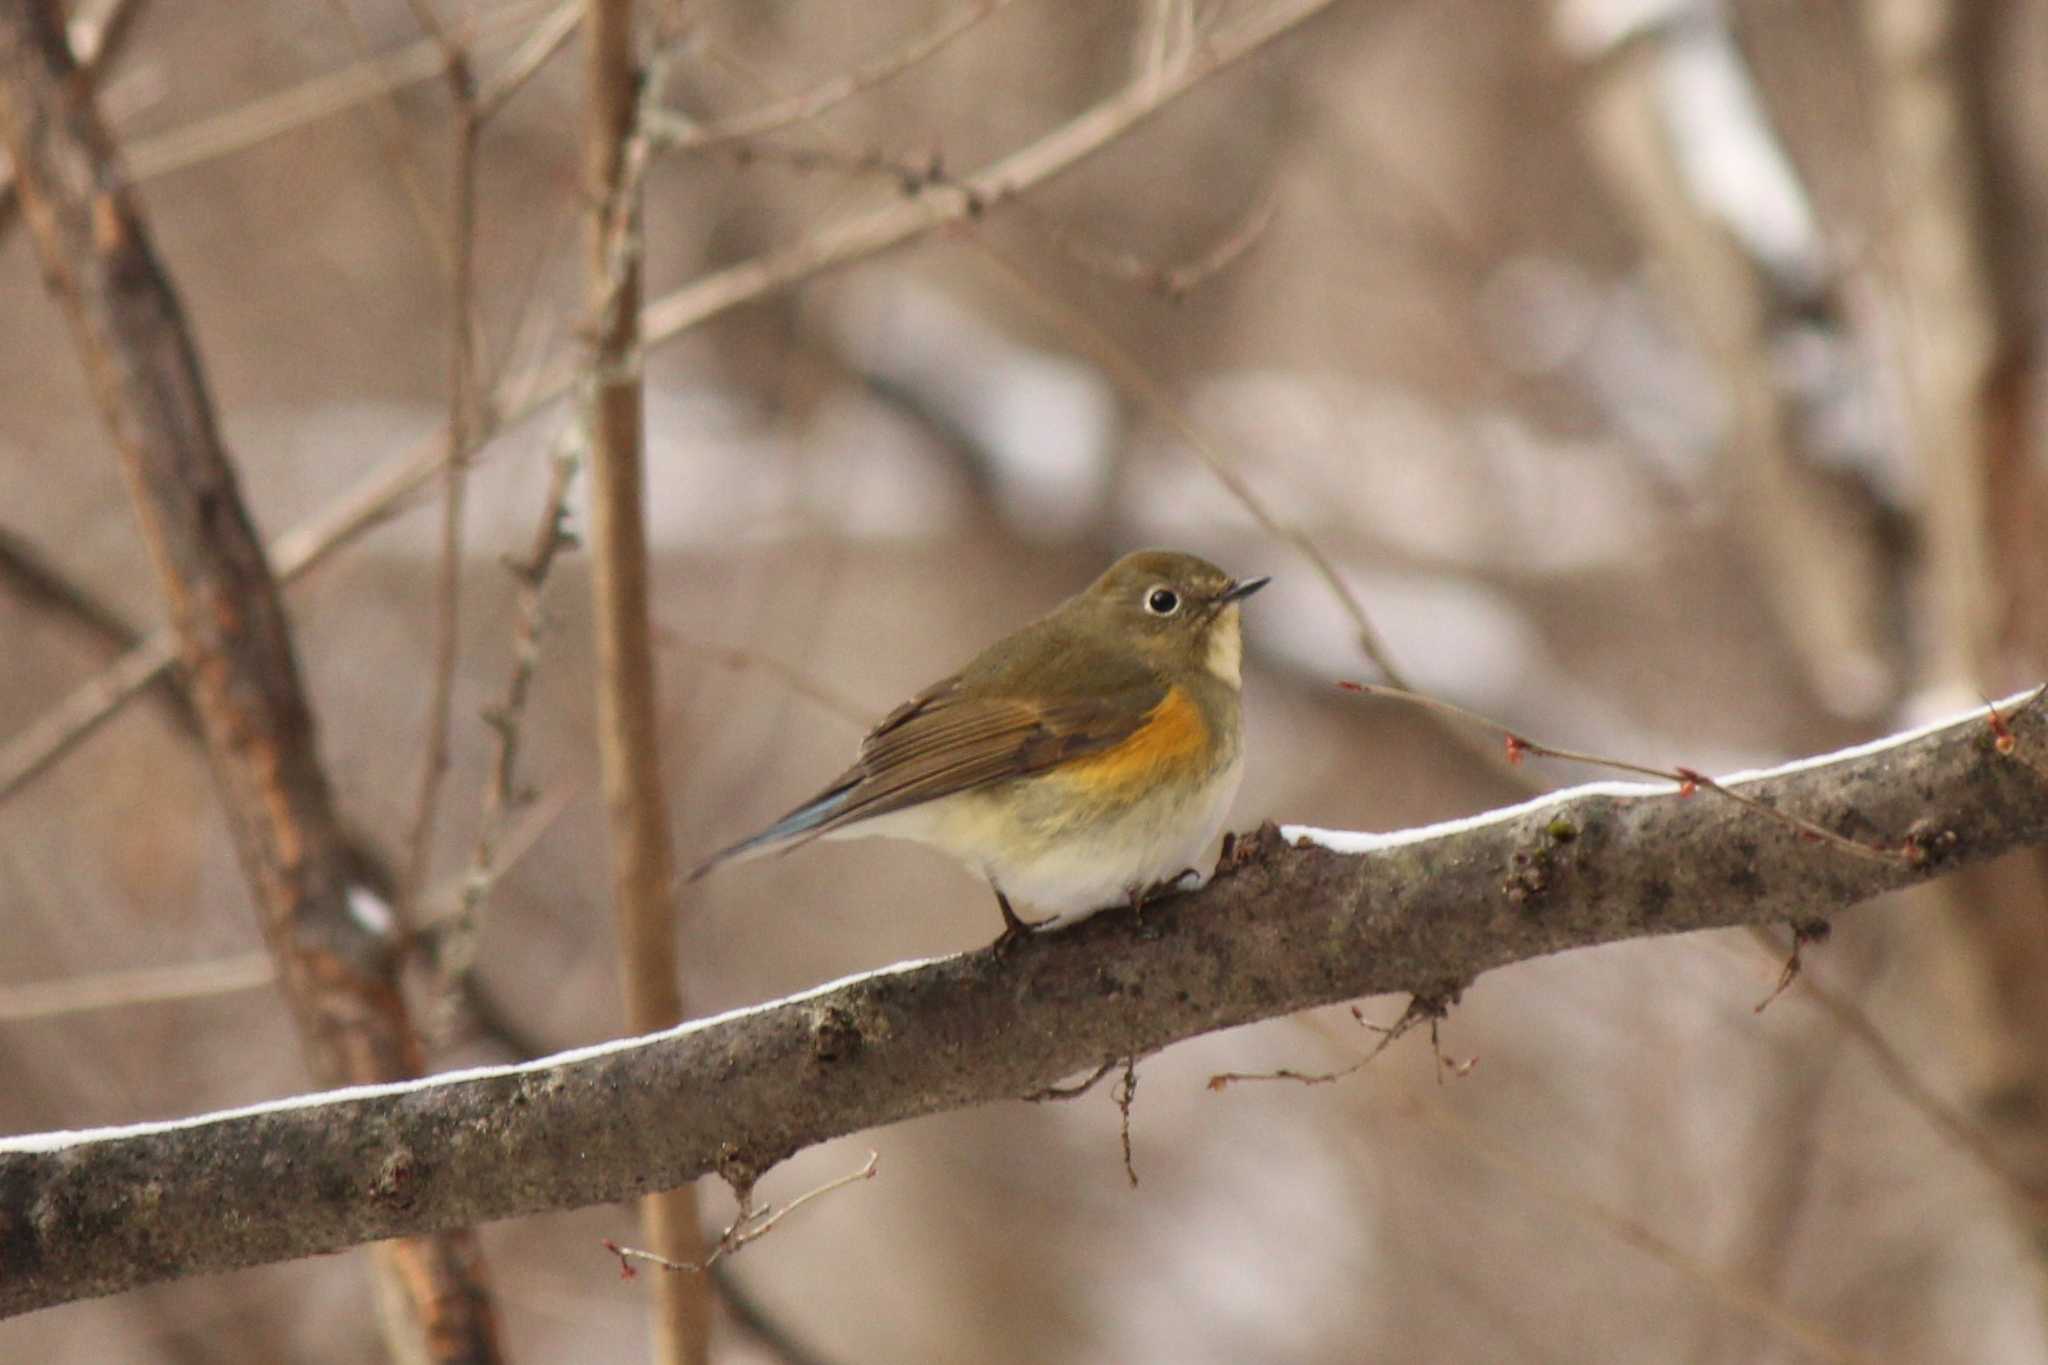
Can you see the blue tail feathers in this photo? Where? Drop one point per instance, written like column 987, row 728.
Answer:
column 808, row 819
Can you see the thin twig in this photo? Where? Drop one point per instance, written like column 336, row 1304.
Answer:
column 1735, row 1293
column 455, row 943
column 268, row 116
column 1921, row 1097
column 1125, row 1094
column 784, row 672
column 1077, row 1089
column 750, row 1226
column 681, row 135
column 534, row 52
column 522, row 395
column 38, row 580
column 1687, row 780
column 1412, row 1015
column 396, row 141
column 1138, row 381
column 1175, row 282
column 38, row 1000
column 973, row 194
column 462, row 419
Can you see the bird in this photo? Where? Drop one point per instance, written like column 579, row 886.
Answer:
column 1085, row 761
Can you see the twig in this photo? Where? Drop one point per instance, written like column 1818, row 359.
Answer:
column 1412, row 1015
column 534, row 52
column 1735, row 1293
column 914, row 174
column 1687, row 780
column 1138, row 381
column 971, row 194
column 396, row 142
column 1125, row 1093
column 462, row 420
column 2002, row 738
column 1803, row 933
column 455, row 943
column 788, row 674
column 1076, row 1090
column 750, row 1226
column 522, row 395
column 1175, row 282
column 1967, row 1136
column 258, row 120
column 682, row 135
column 40, row 581
column 38, row 1000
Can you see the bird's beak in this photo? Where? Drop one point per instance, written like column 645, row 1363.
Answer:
column 1244, row 589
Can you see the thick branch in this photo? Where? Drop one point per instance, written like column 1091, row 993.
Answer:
column 320, row 912
column 1297, row 924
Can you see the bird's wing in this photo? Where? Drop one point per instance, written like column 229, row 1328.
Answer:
column 990, row 722
column 941, row 743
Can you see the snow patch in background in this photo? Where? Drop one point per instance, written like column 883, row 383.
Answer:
column 1382, row 470
column 1044, row 426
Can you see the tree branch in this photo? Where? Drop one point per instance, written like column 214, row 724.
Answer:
column 55, row 733
column 1299, row 919
column 628, row 710
column 323, row 919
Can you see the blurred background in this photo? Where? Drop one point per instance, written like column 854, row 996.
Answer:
column 1659, row 374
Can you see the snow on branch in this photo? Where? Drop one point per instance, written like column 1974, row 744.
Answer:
column 1297, row 918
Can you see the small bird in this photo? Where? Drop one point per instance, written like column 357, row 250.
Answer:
column 1085, row 761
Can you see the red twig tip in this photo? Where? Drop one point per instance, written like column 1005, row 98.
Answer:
column 626, row 1271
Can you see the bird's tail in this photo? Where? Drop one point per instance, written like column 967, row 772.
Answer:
column 807, row 821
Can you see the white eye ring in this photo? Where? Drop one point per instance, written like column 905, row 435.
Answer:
column 1161, row 600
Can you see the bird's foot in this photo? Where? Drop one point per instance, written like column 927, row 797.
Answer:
column 1141, row 896
column 1015, row 927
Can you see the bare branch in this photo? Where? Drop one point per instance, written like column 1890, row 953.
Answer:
column 142, row 986
column 533, row 53
column 523, row 395
column 975, row 193
column 684, row 136
column 751, row 1225
column 1737, row 1292
column 1135, row 379
column 322, row 917
column 270, row 116
column 628, row 724
column 1300, row 919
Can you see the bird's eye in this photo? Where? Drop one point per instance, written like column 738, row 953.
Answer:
column 1162, row 601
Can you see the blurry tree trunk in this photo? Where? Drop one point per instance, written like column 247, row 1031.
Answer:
column 325, row 922
column 1963, row 338
column 1669, row 103
column 636, row 805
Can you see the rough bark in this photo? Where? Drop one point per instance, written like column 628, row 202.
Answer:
column 1295, row 924
column 337, row 964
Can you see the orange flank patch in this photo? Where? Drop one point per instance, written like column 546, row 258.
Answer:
column 1173, row 737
